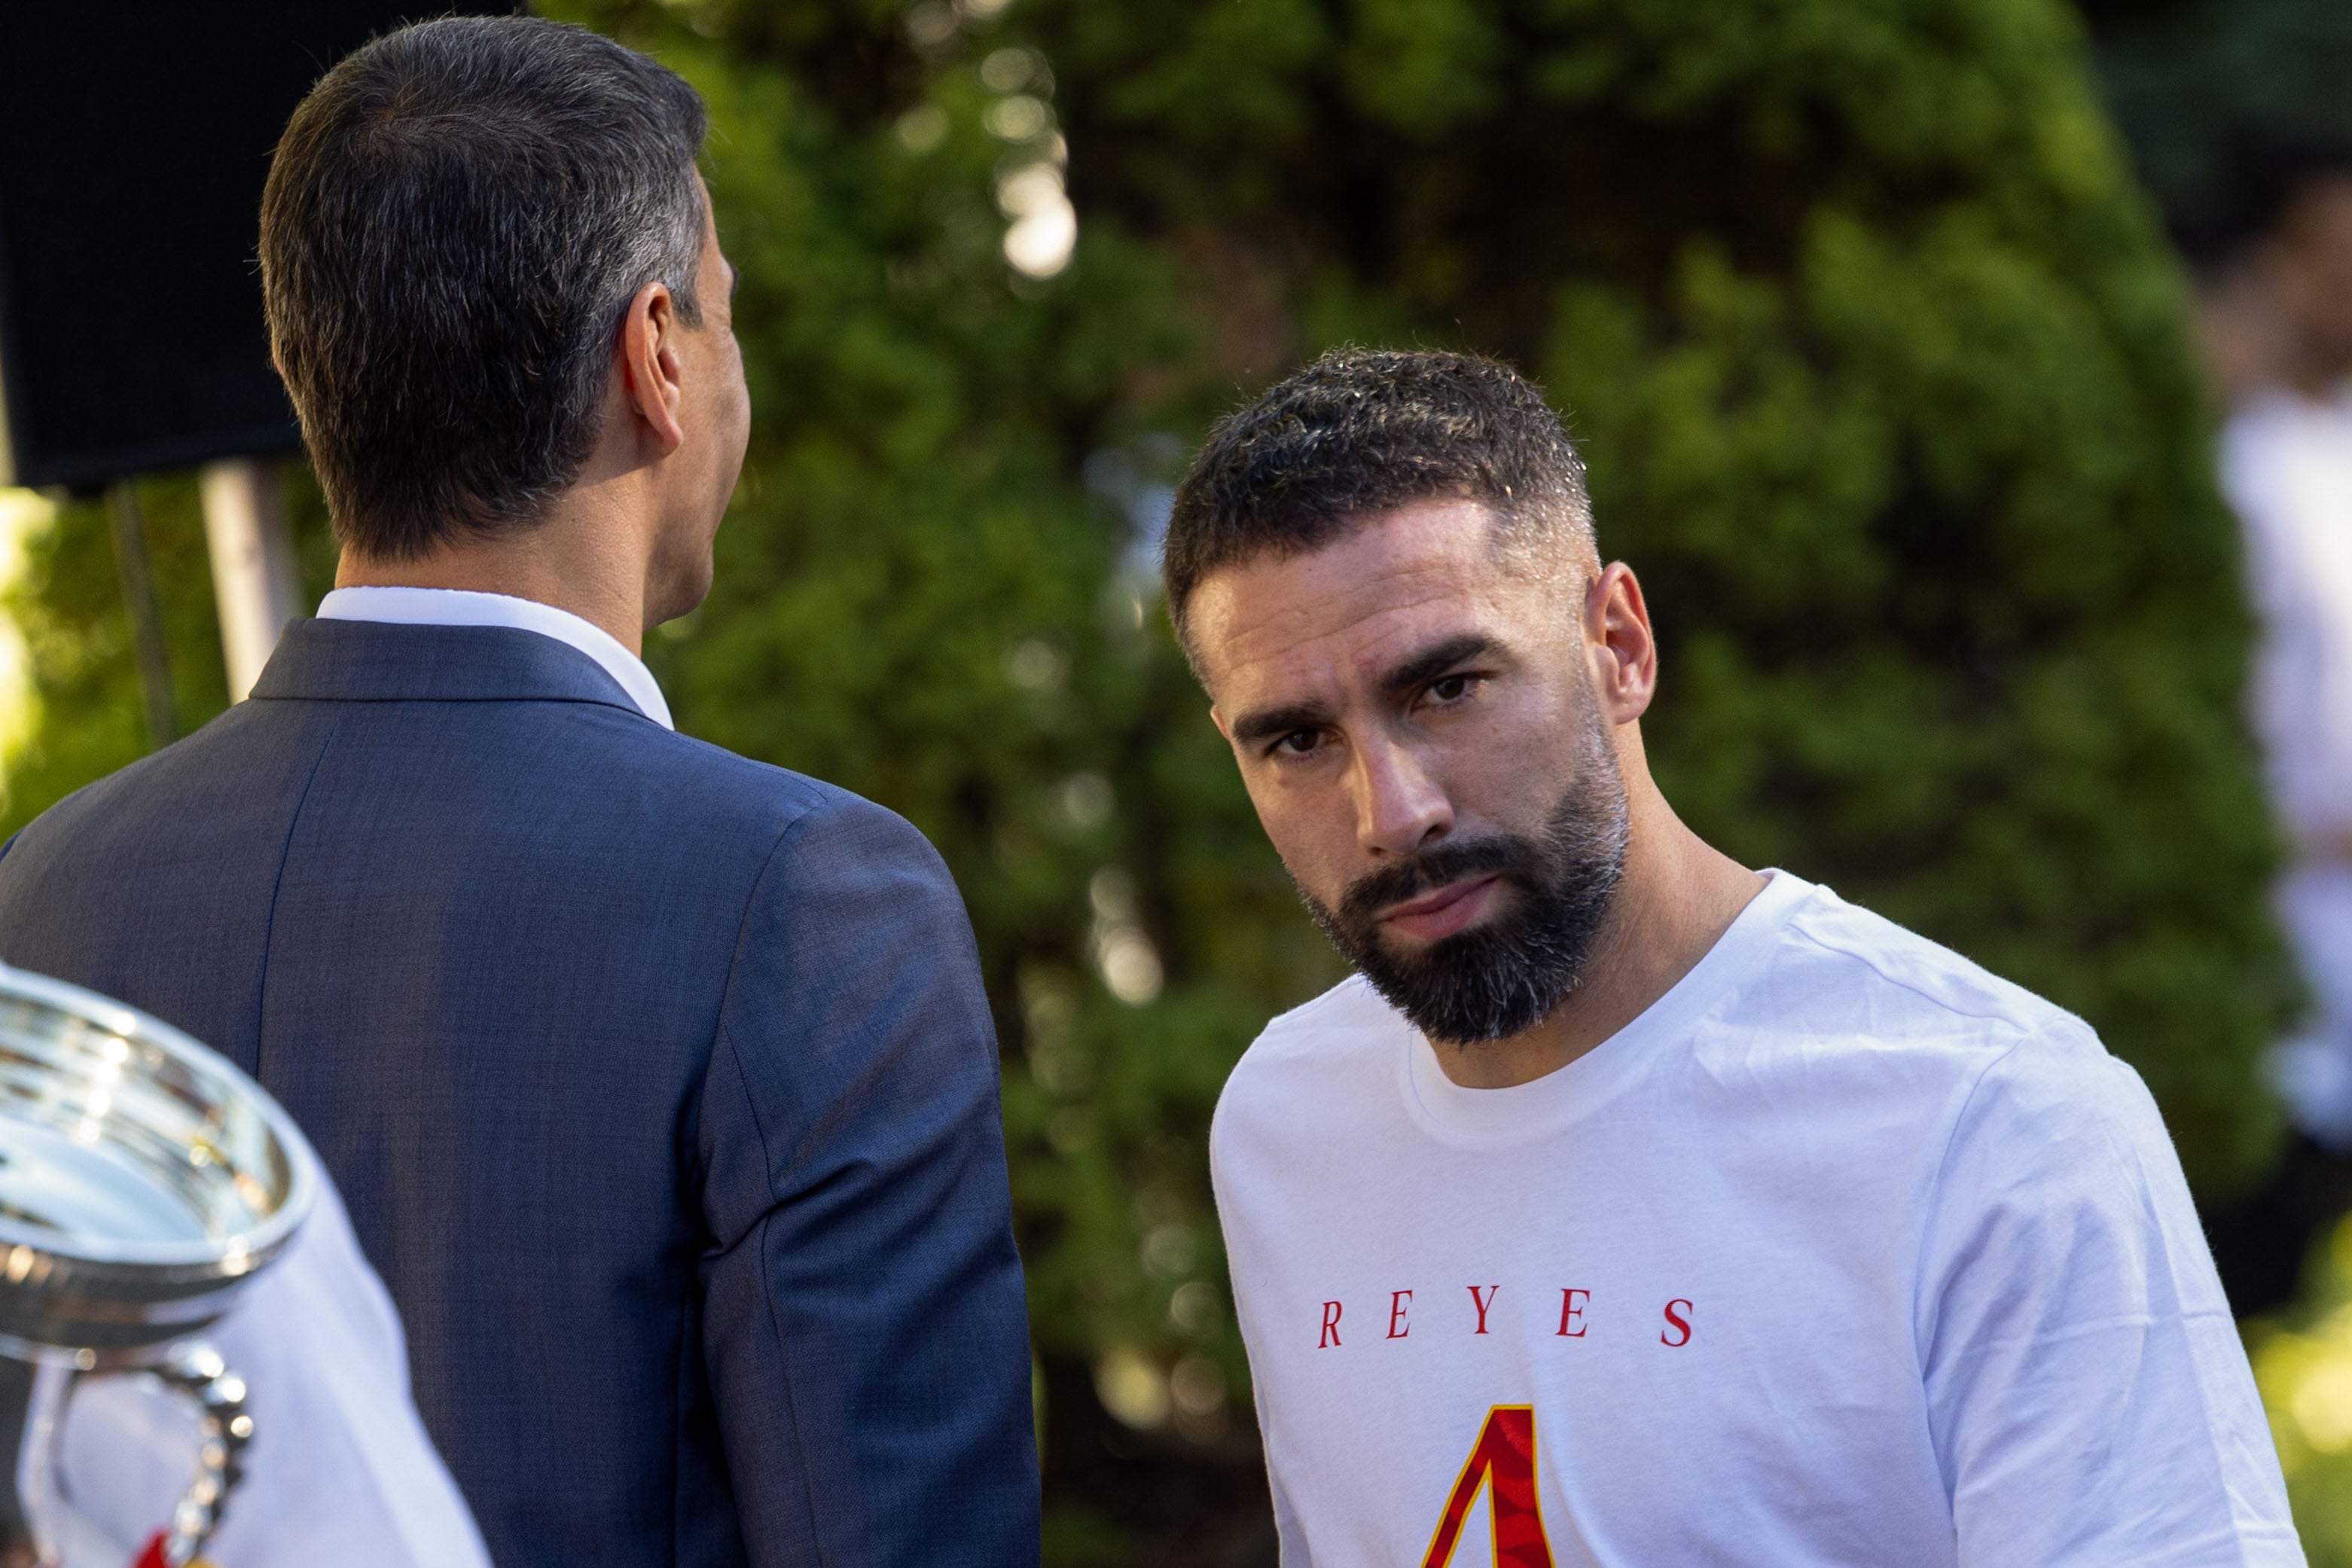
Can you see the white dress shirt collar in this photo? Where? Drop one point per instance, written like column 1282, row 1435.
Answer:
column 458, row 607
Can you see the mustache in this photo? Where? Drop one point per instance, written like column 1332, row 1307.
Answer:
column 1495, row 854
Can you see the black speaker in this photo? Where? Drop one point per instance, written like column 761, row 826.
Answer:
column 134, row 139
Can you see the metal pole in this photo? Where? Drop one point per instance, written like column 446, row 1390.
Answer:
column 138, row 573
column 253, row 563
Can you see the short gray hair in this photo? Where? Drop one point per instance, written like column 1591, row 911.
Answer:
column 456, row 221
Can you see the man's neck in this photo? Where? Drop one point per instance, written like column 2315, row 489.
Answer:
column 1677, row 896
column 568, row 561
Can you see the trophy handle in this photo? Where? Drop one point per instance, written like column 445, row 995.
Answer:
column 196, row 1371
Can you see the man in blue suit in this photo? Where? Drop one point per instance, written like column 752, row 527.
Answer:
column 660, row 1083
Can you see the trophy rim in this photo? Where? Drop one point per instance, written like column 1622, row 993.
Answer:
column 196, row 1263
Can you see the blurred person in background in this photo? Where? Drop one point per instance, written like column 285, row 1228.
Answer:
column 660, row 1084
column 1630, row 1206
column 2274, row 320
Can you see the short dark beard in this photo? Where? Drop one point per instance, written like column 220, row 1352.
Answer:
column 1504, row 977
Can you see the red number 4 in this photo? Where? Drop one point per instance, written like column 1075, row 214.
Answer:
column 1503, row 1460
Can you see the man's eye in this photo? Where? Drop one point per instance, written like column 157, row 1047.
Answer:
column 1298, row 743
column 1452, row 689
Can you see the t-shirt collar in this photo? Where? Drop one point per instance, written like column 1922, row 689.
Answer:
column 1568, row 1093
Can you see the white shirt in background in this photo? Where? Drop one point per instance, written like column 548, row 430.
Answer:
column 2286, row 467
column 1843, row 1252
column 460, row 607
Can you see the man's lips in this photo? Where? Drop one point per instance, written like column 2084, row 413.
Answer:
column 1435, row 916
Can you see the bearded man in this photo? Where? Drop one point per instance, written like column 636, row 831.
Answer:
column 1630, row 1206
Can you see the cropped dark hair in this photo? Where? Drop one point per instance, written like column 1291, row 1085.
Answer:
column 1364, row 431
column 454, row 223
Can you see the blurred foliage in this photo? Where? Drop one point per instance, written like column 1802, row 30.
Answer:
column 67, row 602
column 1878, row 361
column 2303, row 1365
column 2187, row 78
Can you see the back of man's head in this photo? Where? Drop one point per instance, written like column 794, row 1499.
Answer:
column 1360, row 433
column 456, row 217
column 2266, row 176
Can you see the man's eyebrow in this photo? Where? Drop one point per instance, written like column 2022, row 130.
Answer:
column 1436, row 659
column 1273, row 724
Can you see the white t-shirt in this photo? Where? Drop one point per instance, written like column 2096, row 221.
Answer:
column 1843, row 1252
column 2286, row 465
column 340, row 1471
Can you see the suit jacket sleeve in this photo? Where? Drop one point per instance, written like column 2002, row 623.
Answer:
column 865, row 1326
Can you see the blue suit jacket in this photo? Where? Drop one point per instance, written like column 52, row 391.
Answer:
column 659, row 1083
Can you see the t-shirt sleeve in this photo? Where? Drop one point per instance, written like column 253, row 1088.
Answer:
column 2090, row 1402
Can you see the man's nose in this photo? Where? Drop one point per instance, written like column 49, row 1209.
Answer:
column 1398, row 807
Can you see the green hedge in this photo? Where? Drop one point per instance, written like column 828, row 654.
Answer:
column 1878, row 363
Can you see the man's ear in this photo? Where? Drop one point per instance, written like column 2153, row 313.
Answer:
column 1624, row 650
column 647, row 358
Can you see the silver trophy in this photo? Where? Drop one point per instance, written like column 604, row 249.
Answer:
column 144, row 1180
